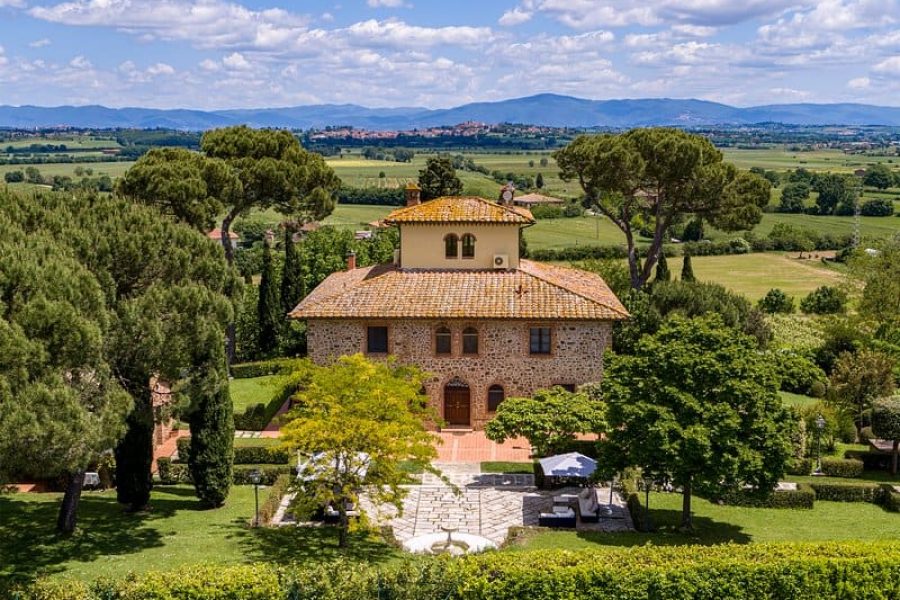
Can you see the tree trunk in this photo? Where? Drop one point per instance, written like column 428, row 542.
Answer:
column 894, row 458
column 68, row 510
column 687, row 521
column 343, row 523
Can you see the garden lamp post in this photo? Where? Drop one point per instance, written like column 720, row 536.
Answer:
column 820, row 426
column 648, row 483
column 255, row 478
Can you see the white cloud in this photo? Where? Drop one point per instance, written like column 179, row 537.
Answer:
column 39, row 43
column 160, row 69
column 12, row 3
column 237, row 62
column 515, row 16
column 385, row 3
column 80, row 62
column 860, row 83
column 208, row 64
column 889, row 65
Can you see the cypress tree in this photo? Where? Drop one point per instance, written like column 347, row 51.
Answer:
column 662, row 268
column 539, row 181
column 268, row 310
column 212, row 443
column 687, row 270
column 134, row 452
column 293, row 286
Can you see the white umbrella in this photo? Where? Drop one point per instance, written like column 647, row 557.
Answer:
column 573, row 464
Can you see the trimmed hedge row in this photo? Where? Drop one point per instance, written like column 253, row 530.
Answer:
column 842, row 467
column 171, row 473
column 803, row 497
column 273, row 500
column 849, row 492
column 243, row 455
column 740, row 572
column 261, row 368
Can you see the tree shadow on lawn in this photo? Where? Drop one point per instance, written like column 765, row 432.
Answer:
column 284, row 545
column 707, row 532
column 30, row 547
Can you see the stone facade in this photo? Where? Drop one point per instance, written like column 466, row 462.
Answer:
column 503, row 357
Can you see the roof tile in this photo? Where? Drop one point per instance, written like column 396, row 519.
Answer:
column 460, row 209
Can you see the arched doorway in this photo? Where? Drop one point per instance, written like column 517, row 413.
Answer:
column 457, row 402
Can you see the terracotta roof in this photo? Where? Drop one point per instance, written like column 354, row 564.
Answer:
column 216, row 234
column 460, row 209
column 537, row 199
column 533, row 291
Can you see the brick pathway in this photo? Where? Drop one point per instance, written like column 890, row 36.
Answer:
column 473, row 447
column 168, row 447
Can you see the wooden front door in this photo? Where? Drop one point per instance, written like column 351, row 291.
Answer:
column 457, row 405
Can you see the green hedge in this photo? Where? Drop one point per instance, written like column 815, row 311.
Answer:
column 261, row 368
column 171, row 473
column 842, row 467
column 800, row 466
column 258, row 416
column 273, row 500
column 803, row 497
column 243, row 455
column 872, row 461
column 849, row 492
column 850, row 570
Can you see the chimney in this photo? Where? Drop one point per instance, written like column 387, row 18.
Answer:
column 413, row 194
column 506, row 194
column 351, row 260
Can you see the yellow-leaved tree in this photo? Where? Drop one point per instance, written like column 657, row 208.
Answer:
column 356, row 424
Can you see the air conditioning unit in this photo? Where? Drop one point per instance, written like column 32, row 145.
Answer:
column 501, row 261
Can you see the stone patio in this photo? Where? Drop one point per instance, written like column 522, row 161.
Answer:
column 483, row 504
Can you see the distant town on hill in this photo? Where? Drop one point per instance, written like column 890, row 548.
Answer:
column 549, row 110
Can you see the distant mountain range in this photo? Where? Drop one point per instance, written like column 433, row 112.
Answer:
column 543, row 109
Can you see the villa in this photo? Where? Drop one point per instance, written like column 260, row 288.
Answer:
column 460, row 302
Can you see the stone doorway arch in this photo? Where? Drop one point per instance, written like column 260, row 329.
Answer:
column 457, row 403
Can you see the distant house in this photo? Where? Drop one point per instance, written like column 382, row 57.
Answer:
column 216, row 234
column 461, row 303
column 529, row 200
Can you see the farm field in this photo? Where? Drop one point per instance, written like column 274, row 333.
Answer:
column 113, row 169
column 175, row 533
column 755, row 274
column 779, row 159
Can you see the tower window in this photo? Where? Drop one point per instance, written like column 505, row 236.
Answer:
column 468, row 246
column 451, row 246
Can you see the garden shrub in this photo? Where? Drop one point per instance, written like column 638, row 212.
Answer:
column 842, row 467
column 796, row 371
column 171, row 473
column 817, row 389
column 261, row 455
column 877, row 207
column 268, row 473
column 734, row 571
column 776, row 301
column 273, row 499
column 802, row 497
column 890, row 498
column 800, row 466
column 825, row 300
column 262, row 368
column 848, row 492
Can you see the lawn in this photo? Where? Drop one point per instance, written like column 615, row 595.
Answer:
column 798, row 400
column 252, row 390
column 507, row 467
column 755, row 274
column 716, row 524
column 175, row 533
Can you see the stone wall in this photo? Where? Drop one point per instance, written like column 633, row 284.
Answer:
column 503, row 357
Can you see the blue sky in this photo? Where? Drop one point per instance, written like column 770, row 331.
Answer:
column 224, row 54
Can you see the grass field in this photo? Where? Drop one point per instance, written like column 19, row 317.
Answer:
column 798, row 400
column 755, row 274
column 253, row 390
column 779, row 159
column 113, row 169
column 717, row 524
column 175, row 533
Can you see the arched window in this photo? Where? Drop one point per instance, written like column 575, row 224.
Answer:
column 468, row 246
column 442, row 341
column 496, row 395
column 470, row 340
column 451, row 246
